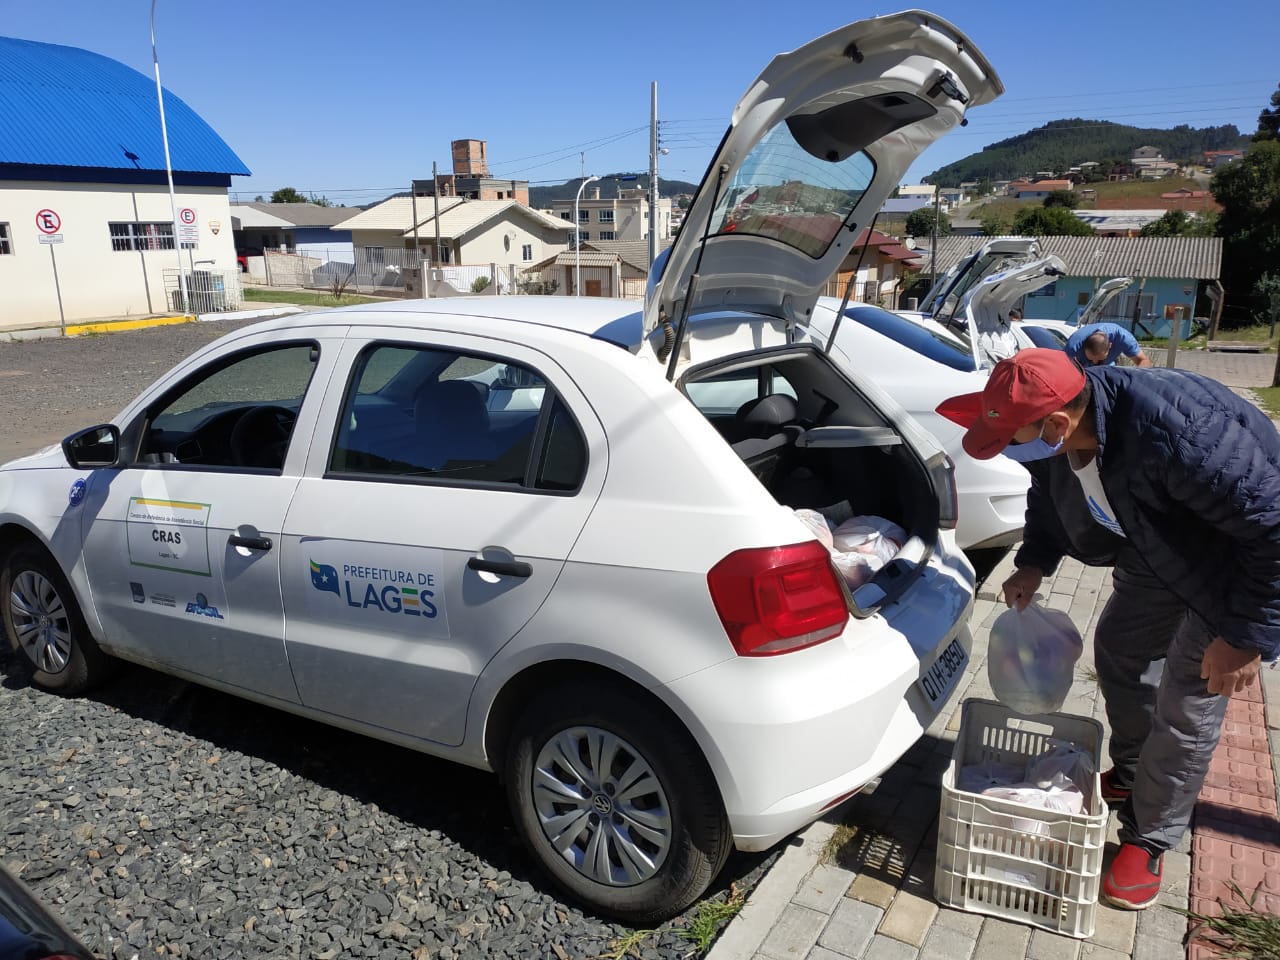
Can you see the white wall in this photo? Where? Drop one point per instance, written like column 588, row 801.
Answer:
column 96, row 281
column 487, row 245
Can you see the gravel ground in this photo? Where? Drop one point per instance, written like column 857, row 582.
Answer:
column 162, row 818
column 50, row 388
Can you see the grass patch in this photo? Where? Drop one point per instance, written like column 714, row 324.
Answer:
column 627, row 945
column 1089, row 674
column 1243, row 932
column 304, row 299
column 1270, row 399
column 711, row 915
column 840, row 838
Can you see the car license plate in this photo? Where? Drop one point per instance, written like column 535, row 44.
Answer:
column 944, row 673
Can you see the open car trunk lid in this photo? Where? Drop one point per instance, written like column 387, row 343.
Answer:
column 813, row 150
column 1105, row 294
column 995, row 256
column 985, row 308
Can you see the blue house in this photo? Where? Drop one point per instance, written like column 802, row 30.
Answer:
column 1168, row 275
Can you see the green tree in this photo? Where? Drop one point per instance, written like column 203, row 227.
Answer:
column 1062, row 198
column 995, row 223
column 1269, row 120
column 1249, row 193
column 319, row 201
column 1179, row 223
column 1050, row 222
column 920, row 223
column 287, row 195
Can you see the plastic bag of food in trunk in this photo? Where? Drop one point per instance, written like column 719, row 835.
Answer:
column 871, row 536
column 1032, row 658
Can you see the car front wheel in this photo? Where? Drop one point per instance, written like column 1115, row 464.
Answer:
column 616, row 802
column 45, row 626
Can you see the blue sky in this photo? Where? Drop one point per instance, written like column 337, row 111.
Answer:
column 353, row 100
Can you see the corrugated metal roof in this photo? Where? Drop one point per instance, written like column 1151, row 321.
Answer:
column 67, row 107
column 1179, row 258
column 569, row 258
column 299, row 214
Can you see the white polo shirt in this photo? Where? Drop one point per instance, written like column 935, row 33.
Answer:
column 1095, row 497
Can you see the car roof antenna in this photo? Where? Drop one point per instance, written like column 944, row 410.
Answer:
column 693, row 280
column 848, row 287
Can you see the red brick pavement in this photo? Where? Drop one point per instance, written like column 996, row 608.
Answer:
column 1236, row 830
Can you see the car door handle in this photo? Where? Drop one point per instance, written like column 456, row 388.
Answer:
column 250, row 543
column 504, row 568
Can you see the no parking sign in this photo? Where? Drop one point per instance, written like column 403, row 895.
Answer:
column 188, row 227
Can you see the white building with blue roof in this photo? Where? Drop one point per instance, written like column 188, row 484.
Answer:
column 83, row 190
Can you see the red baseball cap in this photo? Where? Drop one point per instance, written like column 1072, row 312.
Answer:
column 1021, row 390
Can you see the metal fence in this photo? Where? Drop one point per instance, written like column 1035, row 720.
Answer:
column 208, row 291
column 865, row 292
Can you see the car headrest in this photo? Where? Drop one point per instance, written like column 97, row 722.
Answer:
column 766, row 415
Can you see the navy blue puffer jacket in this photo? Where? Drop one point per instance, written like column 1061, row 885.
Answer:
column 1193, row 475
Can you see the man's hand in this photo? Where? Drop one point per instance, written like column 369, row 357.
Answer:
column 1228, row 669
column 1022, row 586
column 1140, row 359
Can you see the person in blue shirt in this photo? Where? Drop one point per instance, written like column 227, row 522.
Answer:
column 1101, row 344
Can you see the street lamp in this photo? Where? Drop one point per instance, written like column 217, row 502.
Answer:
column 168, row 166
column 577, row 244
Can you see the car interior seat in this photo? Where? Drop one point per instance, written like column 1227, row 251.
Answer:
column 768, row 427
column 451, row 423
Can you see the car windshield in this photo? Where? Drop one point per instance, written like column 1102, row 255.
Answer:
column 785, row 193
column 915, row 336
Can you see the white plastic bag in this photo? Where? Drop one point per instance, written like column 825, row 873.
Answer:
column 873, row 536
column 1032, row 658
column 1063, row 761
column 856, row 568
column 818, row 524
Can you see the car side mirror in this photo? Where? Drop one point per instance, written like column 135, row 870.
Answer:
column 93, row 447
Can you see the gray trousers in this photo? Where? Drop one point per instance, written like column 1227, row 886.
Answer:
column 1164, row 722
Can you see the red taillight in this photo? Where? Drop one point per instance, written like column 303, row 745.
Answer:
column 778, row 599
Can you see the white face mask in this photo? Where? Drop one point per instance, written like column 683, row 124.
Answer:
column 1037, row 449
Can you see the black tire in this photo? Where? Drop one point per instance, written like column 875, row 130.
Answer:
column 58, row 649
column 697, row 840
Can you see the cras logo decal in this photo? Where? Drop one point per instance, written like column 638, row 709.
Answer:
column 390, row 590
column 201, row 608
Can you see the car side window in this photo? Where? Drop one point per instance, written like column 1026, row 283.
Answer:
column 437, row 415
column 236, row 412
column 723, row 394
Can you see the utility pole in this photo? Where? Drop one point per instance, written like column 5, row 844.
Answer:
column 653, row 172
column 937, row 212
column 435, row 190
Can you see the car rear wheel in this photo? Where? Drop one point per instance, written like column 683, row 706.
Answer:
column 615, row 801
column 45, row 626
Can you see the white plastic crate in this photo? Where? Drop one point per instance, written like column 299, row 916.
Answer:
column 1013, row 860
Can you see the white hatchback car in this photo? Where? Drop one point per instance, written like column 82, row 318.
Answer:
column 480, row 529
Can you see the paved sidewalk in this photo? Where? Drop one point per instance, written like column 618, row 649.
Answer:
column 861, row 886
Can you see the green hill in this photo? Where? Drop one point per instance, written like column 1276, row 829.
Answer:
column 609, row 186
column 1060, row 144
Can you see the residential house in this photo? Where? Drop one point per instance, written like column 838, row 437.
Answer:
column 609, row 268
column 883, row 266
column 1147, row 153
column 1156, row 169
column 1185, row 198
column 621, row 217
column 1168, row 273
column 86, row 224
column 506, row 234
column 305, row 230
column 1216, row 158
column 925, row 190
column 1037, row 190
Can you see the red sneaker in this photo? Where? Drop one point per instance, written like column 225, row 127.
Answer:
column 1133, row 882
column 1113, row 794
